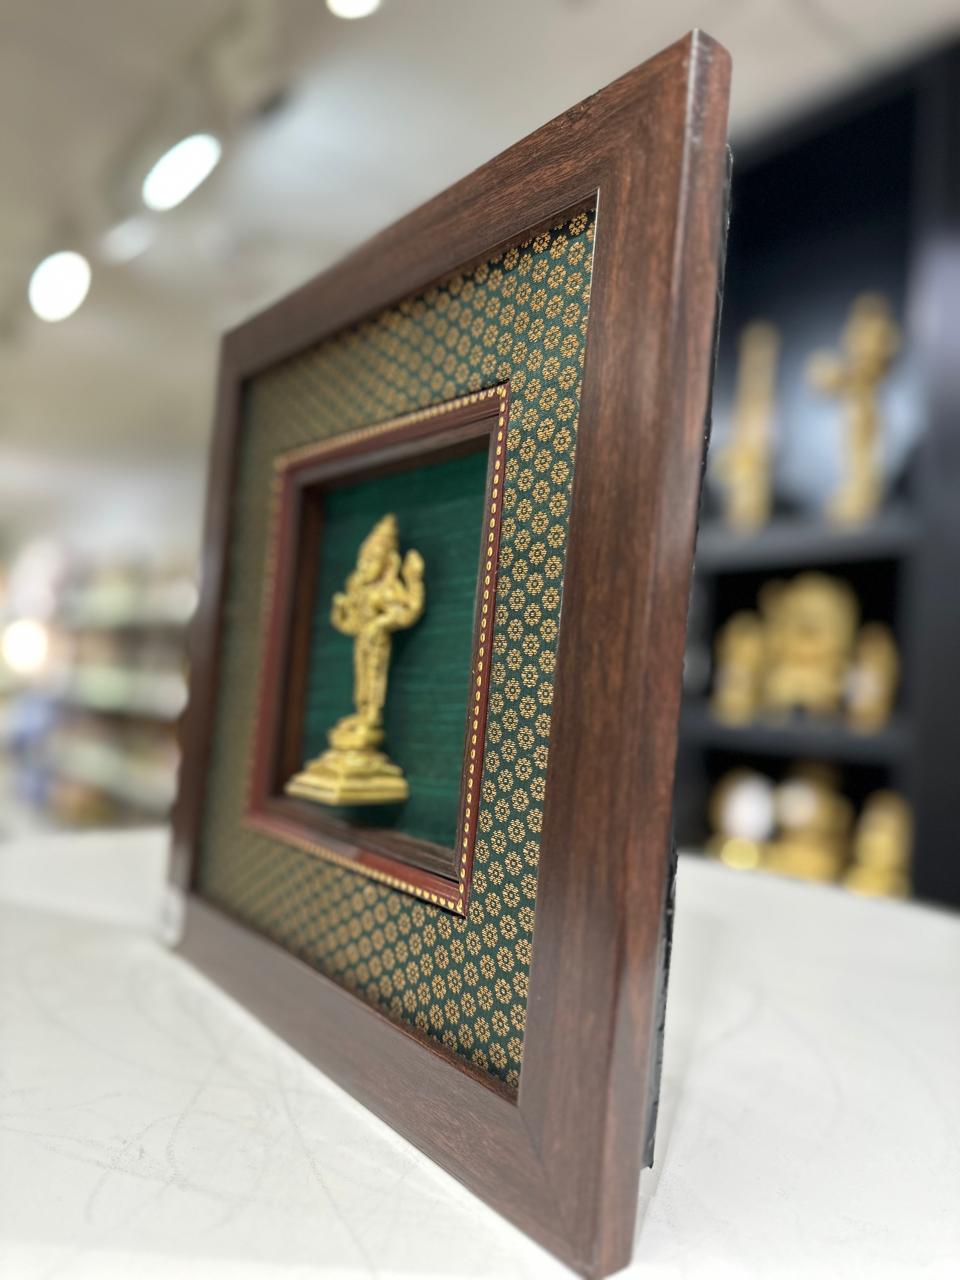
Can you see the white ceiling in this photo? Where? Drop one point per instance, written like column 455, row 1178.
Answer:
column 108, row 412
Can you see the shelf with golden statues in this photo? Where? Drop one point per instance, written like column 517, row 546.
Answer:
column 800, row 674
column 803, row 826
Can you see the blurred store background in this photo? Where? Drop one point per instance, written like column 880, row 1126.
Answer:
column 168, row 169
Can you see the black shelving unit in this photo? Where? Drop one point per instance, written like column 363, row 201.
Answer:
column 798, row 740
column 795, row 543
column 863, row 195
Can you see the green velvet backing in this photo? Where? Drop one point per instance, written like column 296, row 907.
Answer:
column 439, row 509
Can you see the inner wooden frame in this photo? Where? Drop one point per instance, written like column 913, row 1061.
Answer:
column 560, row 1156
column 425, row 870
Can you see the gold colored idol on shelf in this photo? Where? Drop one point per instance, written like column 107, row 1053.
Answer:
column 811, row 625
column 742, row 818
column 870, row 340
column 739, row 671
column 882, row 847
column 872, row 678
column 744, row 466
column 813, row 825
column 381, row 596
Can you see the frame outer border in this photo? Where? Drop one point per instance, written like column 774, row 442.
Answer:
column 563, row 1160
column 606, row 842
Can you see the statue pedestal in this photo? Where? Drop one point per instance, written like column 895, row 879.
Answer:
column 352, row 771
column 348, row 778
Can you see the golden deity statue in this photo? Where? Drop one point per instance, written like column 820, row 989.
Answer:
column 871, row 340
column 872, row 678
column 882, row 847
column 744, row 466
column 739, row 667
column 813, row 825
column 811, row 627
column 382, row 595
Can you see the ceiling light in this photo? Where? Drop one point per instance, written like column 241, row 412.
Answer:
column 127, row 240
column 353, row 8
column 59, row 285
column 180, row 171
column 25, row 644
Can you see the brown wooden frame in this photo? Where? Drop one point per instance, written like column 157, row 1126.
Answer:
column 561, row 1156
column 439, row 876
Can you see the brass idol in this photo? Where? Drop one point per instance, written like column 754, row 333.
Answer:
column 745, row 465
column 870, row 340
column 382, row 595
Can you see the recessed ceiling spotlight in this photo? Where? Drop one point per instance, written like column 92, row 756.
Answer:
column 59, row 285
column 127, row 240
column 180, row 171
column 353, row 8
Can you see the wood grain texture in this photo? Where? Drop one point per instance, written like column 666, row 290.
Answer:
column 562, row 1159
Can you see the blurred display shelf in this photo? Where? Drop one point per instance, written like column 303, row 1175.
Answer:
column 142, row 785
column 119, row 691
column 798, row 739
column 163, row 605
column 810, row 233
column 802, row 541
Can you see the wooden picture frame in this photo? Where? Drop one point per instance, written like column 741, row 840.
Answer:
column 559, row 1154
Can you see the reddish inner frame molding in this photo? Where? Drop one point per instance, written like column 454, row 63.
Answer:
column 439, row 876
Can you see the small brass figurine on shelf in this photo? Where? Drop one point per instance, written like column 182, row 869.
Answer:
column 872, row 678
column 744, row 467
column 870, row 340
column 813, row 825
column 740, row 661
column 882, row 848
column 811, row 626
column 743, row 818
column 382, row 595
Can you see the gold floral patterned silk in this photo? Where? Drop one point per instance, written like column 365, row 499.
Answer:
column 519, row 318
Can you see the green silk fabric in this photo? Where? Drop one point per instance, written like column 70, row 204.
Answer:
column 439, row 510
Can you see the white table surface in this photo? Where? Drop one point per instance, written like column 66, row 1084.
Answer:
column 150, row 1128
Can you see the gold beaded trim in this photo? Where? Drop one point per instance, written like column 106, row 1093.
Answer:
column 455, row 901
